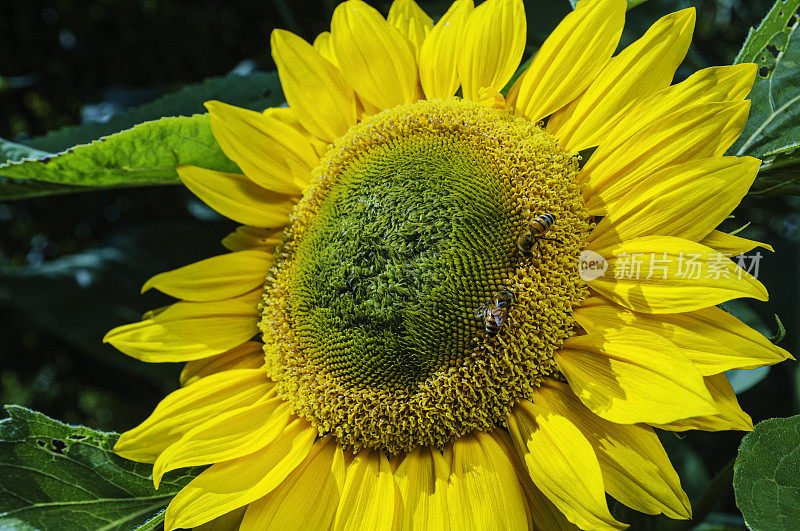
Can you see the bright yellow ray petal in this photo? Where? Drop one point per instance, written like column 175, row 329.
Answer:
column 237, row 198
column 245, row 238
column 374, row 56
column 636, row 469
column 629, row 376
column 712, row 339
column 730, row 417
column 324, row 46
column 410, row 20
column 483, row 485
column 271, row 153
column 562, row 464
column 438, row 59
column 664, row 274
column 315, row 89
column 542, row 514
column 491, row 46
column 570, row 59
column 229, row 485
column 369, row 496
column 188, row 407
column 731, row 244
column 248, row 355
column 640, row 70
column 682, row 201
column 189, row 330
column 308, row 498
column 304, row 148
column 715, row 84
column 422, row 479
column 695, row 132
column 216, row 278
column 231, row 435
column 231, row 521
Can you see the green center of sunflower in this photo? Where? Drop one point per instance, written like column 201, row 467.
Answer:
column 400, row 310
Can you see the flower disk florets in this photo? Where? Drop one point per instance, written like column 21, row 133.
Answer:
column 411, row 225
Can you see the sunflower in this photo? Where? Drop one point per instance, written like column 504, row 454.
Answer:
column 403, row 334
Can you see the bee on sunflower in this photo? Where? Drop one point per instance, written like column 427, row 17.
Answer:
column 337, row 376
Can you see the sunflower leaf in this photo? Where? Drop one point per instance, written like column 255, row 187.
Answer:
column 256, row 91
column 57, row 476
column 772, row 132
column 142, row 156
column 766, row 478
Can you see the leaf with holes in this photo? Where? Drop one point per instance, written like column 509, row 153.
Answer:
column 766, row 475
column 57, row 476
column 772, row 132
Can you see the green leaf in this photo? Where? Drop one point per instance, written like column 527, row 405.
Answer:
column 57, row 476
column 254, row 91
column 766, row 477
column 772, row 132
column 142, row 156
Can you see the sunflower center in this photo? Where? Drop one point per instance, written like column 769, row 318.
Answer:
column 410, row 302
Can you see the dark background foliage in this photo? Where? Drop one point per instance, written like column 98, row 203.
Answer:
column 71, row 266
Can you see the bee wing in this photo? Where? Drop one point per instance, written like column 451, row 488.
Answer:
column 480, row 312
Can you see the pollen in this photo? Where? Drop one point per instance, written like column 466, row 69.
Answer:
column 380, row 316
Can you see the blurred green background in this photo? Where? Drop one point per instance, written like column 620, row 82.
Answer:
column 71, row 266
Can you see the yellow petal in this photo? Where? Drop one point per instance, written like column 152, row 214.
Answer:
column 369, row 497
column 231, row 521
column 682, row 200
column 731, row 244
column 491, row 46
column 226, row 486
column 315, row 89
column 636, row 469
column 663, row 274
column 308, row 498
column 712, row 339
column 542, row 514
column 304, row 148
column 271, row 153
column 248, row 355
column 570, row 59
column 189, row 330
column 629, row 376
column 245, row 238
column 641, row 69
column 374, row 57
column 438, row 60
column 695, row 132
column 422, row 481
column 715, row 84
column 410, row 20
column 730, row 416
column 562, row 464
column 182, row 410
column 237, row 198
column 231, row 435
column 324, row 46
column 483, row 485
column 219, row 277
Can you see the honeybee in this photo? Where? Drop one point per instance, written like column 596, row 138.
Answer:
column 494, row 313
column 535, row 233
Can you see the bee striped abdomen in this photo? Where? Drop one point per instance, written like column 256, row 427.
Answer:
column 542, row 224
